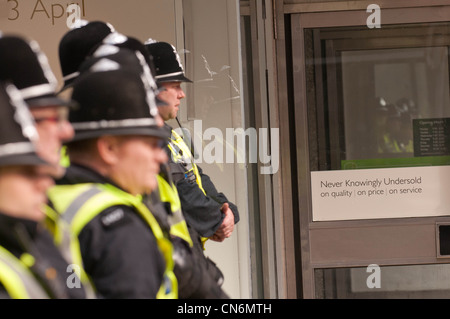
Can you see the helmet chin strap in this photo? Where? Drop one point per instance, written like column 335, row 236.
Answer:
column 178, row 121
column 184, row 138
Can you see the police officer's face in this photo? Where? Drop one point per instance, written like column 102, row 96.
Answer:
column 136, row 162
column 172, row 94
column 23, row 191
column 53, row 128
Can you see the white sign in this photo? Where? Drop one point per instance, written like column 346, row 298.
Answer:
column 380, row 193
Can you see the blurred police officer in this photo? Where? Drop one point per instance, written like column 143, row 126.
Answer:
column 163, row 202
column 26, row 66
column 77, row 56
column 130, row 57
column 208, row 212
column 31, row 266
column 115, row 157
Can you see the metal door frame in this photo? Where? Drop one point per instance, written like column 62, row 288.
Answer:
column 348, row 13
column 275, row 193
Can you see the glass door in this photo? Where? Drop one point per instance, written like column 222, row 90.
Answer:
column 378, row 86
column 373, row 116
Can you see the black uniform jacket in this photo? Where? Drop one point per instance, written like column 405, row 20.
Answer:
column 121, row 257
column 20, row 236
column 202, row 212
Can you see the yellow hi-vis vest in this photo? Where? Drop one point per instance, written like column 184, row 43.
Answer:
column 168, row 193
column 65, row 160
column 182, row 153
column 16, row 277
column 69, row 246
column 80, row 203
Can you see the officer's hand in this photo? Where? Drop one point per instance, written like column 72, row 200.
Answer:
column 227, row 227
column 228, row 221
column 217, row 238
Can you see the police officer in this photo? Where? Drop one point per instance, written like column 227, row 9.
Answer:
column 117, row 49
column 115, row 157
column 134, row 61
column 208, row 212
column 31, row 266
column 26, row 66
column 163, row 202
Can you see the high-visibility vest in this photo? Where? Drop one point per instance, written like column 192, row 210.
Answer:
column 65, row 160
column 80, row 203
column 16, row 277
column 181, row 153
column 168, row 193
column 68, row 245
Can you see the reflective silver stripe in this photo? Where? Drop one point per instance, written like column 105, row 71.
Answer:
column 43, row 61
column 65, row 245
column 32, row 287
column 71, row 76
column 105, row 49
column 176, row 217
column 104, row 65
column 16, row 148
column 37, row 90
column 114, row 124
column 75, row 206
column 115, row 38
column 22, row 114
column 167, row 75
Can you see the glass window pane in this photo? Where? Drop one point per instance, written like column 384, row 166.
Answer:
column 413, row 281
column 368, row 90
column 388, row 89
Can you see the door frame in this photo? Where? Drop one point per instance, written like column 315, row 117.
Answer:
column 336, row 14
